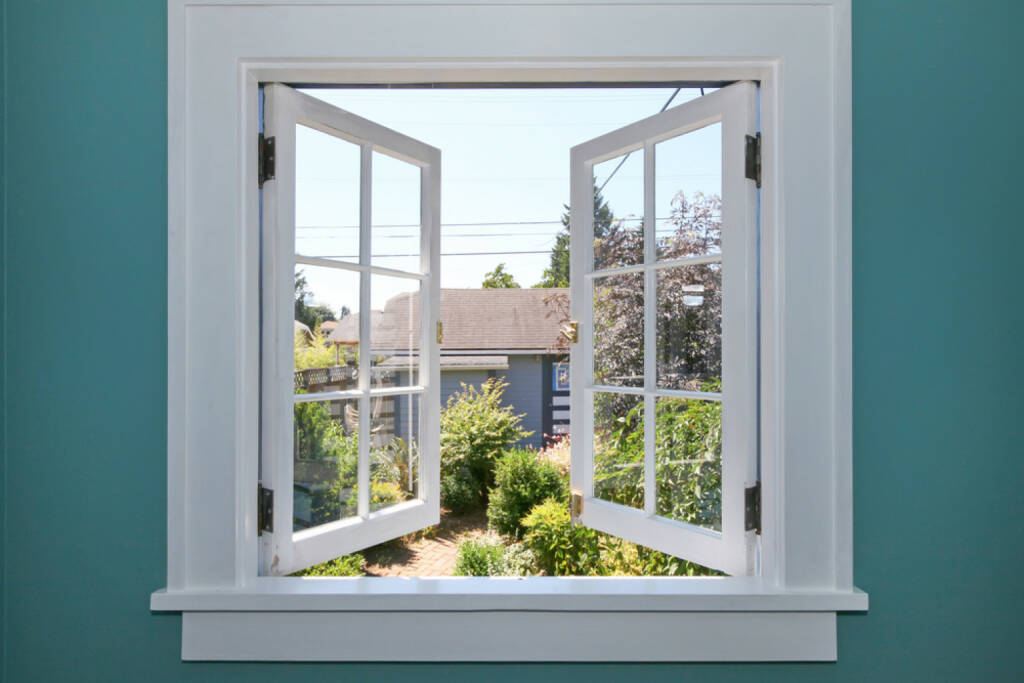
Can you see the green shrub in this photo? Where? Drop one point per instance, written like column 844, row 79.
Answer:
column 521, row 481
column 561, row 548
column 689, row 448
column 622, row 558
column 460, row 491
column 490, row 557
column 346, row 565
column 688, row 452
column 519, row 560
column 382, row 494
column 475, row 429
column 480, row 558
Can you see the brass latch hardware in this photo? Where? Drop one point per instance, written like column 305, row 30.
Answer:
column 440, row 333
column 575, row 505
column 571, row 331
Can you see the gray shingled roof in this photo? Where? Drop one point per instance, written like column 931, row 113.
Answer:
column 474, row 320
column 347, row 329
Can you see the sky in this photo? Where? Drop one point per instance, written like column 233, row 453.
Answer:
column 505, row 179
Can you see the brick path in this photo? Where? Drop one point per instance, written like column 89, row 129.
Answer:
column 426, row 553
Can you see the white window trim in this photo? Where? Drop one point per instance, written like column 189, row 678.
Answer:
column 219, row 50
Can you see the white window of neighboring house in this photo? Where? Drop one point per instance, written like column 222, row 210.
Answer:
column 783, row 365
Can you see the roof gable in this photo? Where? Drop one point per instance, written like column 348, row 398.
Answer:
column 474, row 319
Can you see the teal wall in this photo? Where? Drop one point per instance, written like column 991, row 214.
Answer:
column 938, row 225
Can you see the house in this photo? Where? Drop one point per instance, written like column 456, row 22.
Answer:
column 508, row 333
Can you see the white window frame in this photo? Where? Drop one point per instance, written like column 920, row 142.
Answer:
column 282, row 550
column 732, row 549
column 799, row 52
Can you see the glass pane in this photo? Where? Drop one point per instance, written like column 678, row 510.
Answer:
column 619, row 448
column 395, row 240
column 326, row 461
column 619, row 211
column 394, row 337
column 326, row 196
column 619, row 330
column 690, row 327
column 688, row 194
column 688, row 461
column 326, row 329
column 394, row 450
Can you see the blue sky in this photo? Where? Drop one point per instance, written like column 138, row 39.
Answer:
column 505, row 178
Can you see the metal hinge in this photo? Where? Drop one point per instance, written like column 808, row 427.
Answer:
column 440, row 333
column 571, row 331
column 752, row 508
column 264, row 509
column 754, row 158
column 575, row 505
column 266, row 159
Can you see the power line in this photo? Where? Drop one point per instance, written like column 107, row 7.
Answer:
column 480, row 224
column 415, row 236
column 663, row 108
column 463, row 253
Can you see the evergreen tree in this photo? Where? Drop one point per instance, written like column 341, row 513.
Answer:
column 557, row 273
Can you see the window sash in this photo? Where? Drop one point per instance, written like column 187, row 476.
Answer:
column 283, row 550
column 733, row 549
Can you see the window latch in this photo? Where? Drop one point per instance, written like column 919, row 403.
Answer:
column 571, row 331
column 440, row 333
column 575, row 505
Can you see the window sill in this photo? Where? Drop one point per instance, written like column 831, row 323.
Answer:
column 509, row 619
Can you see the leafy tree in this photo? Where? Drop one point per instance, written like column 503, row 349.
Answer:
column 689, row 302
column 499, row 278
column 557, row 273
column 306, row 313
column 315, row 352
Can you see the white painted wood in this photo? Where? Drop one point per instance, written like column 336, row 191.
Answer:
column 510, row 636
column 285, row 550
column 650, row 332
column 357, row 267
column 621, row 594
column 732, row 550
column 365, row 318
column 644, row 267
column 355, row 393
column 799, row 51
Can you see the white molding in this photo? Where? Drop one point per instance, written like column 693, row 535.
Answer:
column 565, row 594
column 218, row 51
column 510, row 636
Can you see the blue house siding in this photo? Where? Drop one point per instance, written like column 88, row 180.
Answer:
column 525, row 377
column 451, row 381
column 524, row 392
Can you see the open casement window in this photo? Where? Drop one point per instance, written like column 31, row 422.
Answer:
column 664, row 289
column 350, row 420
